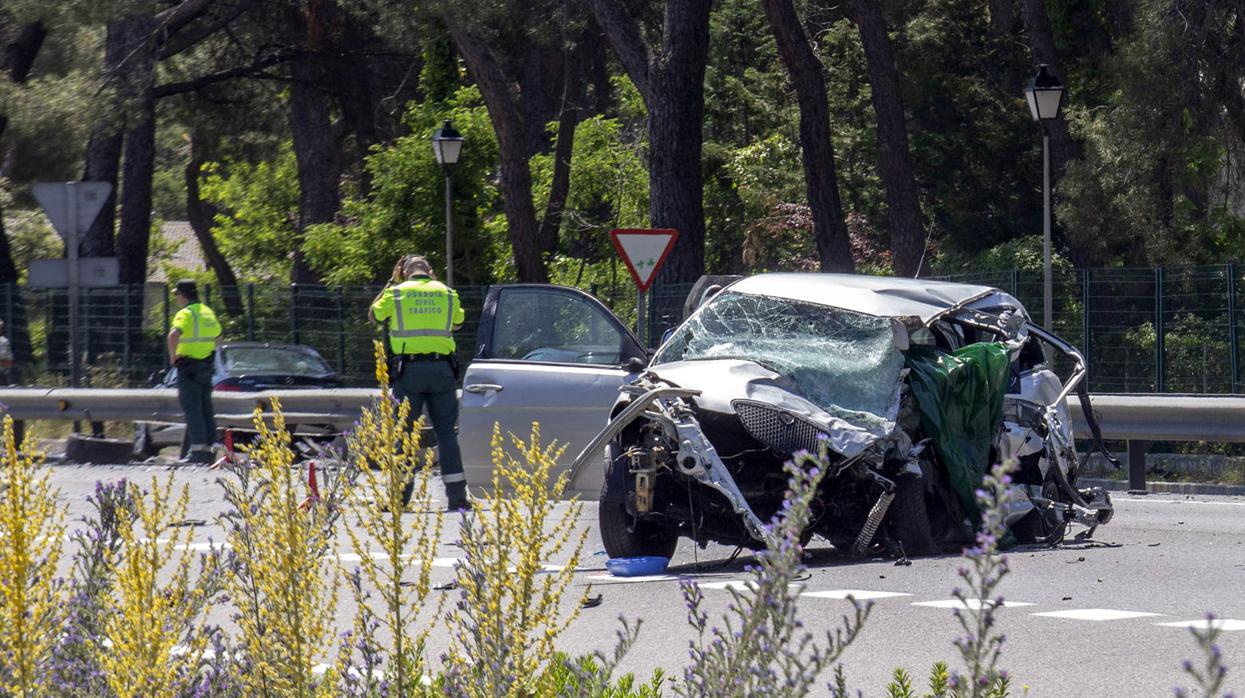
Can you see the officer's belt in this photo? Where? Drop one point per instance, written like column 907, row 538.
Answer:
column 423, row 357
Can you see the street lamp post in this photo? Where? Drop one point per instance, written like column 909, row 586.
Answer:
column 1045, row 96
column 447, row 143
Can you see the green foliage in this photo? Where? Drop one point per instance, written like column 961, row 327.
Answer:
column 973, row 146
column 1022, row 254
column 30, row 234
column 257, row 209
column 404, row 212
column 608, row 189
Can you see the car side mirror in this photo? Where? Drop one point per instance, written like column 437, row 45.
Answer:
column 635, row 365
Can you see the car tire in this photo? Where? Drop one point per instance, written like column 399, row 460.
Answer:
column 623, row 536
column 910, row 524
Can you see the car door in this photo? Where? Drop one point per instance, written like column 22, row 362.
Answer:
column 546, row 354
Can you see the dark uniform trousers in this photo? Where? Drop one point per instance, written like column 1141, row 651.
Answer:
column 194, row 392
column 432, row 384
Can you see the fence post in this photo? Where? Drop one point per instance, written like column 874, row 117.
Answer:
column 1160, row 344
column 250, row 312
column 125, row 328
column 1232, row 323
column 165, row 329
column 1086, row 342
column 341, row 336
column 1015, row 279
column 1136, row 467
column 294, row 313
column 84, row 319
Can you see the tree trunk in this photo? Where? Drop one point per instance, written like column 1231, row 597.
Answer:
column 137, row 83
column 506, row 115
column 200, row 214
column 572, row 97
column 315, row 152
column 672, row 82
column 676, row 107
column 19, row 57
column 1002, row 17
column 1063, row 148
column 834, row 249
column 894, row 163
column 542, row 69
column 103, row 152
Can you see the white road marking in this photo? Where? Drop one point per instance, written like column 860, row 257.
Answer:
column 629, row 580
column 858, row 594
column 203, row 547
column 1228, row 624
column 1096, row 614
column 968, row 604
column 736, row 584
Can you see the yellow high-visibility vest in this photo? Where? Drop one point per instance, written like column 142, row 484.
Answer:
column 199, row 328
column 421, row 315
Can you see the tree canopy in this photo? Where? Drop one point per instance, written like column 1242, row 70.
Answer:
column 887, row 137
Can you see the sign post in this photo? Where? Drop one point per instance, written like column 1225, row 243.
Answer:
column 643, row 251
column 72, row 207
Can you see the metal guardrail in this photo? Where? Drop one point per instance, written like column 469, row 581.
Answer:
column 1135, row 418
column 337, row 407
column 1142, row 418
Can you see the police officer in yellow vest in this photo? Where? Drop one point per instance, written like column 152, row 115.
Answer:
column 192, row 348
column 422, row 314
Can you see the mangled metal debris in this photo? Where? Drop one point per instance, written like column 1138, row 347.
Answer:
column 911, row 388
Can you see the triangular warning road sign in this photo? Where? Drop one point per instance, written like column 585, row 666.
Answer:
column 89, row 198
column 644, row 251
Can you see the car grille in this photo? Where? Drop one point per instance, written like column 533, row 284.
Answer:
column 778, row 429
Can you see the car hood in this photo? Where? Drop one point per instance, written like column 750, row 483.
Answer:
column 728, row 384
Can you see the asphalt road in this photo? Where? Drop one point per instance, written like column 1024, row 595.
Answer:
column 1089, row 619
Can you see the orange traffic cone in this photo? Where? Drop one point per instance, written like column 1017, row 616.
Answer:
column 229, row 457
column 313, row 496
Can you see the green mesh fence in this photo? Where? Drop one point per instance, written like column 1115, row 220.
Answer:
column 1142, row 330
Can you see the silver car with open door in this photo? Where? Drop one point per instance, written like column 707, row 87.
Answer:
column 546, row 354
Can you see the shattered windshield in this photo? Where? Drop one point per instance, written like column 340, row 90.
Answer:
column 844, row 362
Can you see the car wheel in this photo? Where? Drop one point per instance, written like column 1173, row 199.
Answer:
column 1040, row 526
column 623, row 536
column 910, row 524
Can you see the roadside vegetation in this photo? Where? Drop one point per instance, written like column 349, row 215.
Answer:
column 131, row 616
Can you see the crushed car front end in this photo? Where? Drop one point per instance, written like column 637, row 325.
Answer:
column 907, row 390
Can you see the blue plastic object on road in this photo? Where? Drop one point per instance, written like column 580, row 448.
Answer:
column 636, row 566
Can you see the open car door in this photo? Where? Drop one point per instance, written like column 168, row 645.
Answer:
column 546, row 354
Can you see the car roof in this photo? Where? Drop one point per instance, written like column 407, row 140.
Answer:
column 882, row 296
column 268, row 345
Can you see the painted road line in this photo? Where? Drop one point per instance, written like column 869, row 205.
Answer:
column 631, row 580
column 736, row 584
column 1227, row 624
column 968, row 604
column 858, row 594
column 1096, row 614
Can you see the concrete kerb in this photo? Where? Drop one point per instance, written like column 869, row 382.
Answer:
column 1166, row 487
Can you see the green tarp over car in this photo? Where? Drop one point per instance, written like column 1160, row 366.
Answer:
column 960, row 396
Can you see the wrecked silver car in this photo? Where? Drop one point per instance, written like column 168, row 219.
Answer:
column 911, row 388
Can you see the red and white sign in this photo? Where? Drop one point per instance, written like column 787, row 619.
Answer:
column 644, row 251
